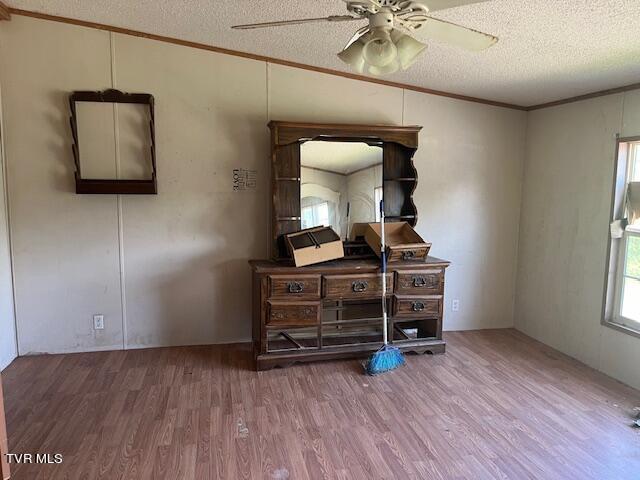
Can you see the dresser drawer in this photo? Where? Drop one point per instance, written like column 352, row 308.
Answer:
column 411, row 306
column 368, row 285
column 294, row 286
column 408, row 253
column 420, row 282
column 293, row 314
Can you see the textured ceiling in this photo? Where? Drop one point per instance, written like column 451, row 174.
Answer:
column 548, row 49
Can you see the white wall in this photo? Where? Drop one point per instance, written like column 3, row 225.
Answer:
column 469, row 179
column 468, row 200
column 335, row 190
column 361, row 187
column 172, row 269
column 8, row 348
column 568, row 180
column 65, row 246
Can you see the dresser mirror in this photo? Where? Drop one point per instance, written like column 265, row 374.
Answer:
column 341, row 183
column 335, row 175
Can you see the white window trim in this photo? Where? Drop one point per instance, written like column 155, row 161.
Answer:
column 621, row 275
column 611, row 315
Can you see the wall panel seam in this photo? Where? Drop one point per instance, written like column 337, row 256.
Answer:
column 116, row 139
column 516, row 273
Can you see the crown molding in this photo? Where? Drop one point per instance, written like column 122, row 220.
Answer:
column 5, row 12
column 587, row 96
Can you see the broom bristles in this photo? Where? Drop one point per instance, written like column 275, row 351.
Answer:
column 386, row 359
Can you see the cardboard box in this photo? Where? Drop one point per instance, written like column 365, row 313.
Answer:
column 358, row 230
column 314, row 245
column 402, row 242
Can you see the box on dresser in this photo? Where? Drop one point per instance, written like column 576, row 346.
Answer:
column 314, row 245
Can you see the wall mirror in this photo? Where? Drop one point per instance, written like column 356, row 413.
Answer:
column 341, row 183
column 336, row 175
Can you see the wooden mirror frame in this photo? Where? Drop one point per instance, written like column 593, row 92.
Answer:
column 400, row 177
column 113, row 186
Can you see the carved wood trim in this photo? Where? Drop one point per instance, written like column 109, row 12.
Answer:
column 287, row 133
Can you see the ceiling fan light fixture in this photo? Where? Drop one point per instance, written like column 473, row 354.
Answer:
column 352, row 56
column 385, row 44
column 388, row 69
column 409, row 49
column 379, row 50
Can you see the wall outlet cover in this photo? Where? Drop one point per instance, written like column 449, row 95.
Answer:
column 98, row 322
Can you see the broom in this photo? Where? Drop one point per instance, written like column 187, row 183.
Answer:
column 388, row 357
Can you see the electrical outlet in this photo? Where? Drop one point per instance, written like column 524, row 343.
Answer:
column 98, row 322
column 455, row 305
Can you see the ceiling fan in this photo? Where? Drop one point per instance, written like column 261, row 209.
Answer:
column 385, row 45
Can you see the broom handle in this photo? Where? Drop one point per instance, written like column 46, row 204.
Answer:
column 383, row 255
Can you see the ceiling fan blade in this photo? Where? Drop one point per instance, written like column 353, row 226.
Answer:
column 435, row 5
column 457, row 35
column 282, row 23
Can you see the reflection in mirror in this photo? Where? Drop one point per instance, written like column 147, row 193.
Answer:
column 341, row 184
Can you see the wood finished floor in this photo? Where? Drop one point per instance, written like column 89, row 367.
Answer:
column 496, row 405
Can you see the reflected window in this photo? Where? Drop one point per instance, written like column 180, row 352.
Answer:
column 377, row 195
column 315, row 215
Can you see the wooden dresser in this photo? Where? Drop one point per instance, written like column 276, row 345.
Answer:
column 333, row 310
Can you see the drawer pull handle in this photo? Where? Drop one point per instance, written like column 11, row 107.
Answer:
column 419, row 282
column 408, row 255
column 359, row 286
column 295, row 287
column 417, row 306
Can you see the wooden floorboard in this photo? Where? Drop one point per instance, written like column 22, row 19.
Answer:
column 497, row 405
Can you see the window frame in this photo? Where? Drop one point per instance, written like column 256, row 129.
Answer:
column 621, row 277
column 626, row 149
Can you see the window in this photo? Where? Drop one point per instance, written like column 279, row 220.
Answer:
column 626, row 248
column 377, row 198
column 630, row 282
column 315, row 215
